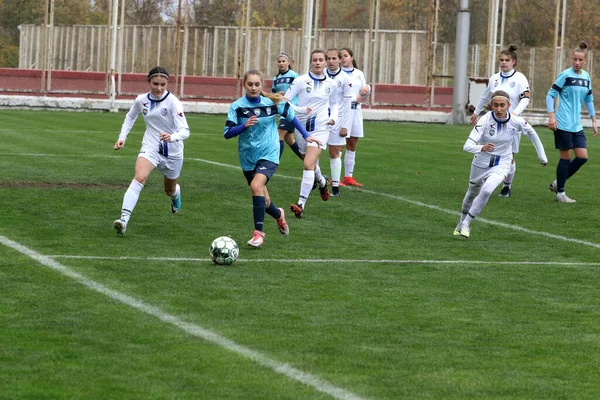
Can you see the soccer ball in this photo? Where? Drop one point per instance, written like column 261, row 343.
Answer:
column 224, row 250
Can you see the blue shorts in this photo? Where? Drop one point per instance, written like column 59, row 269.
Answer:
column 267, row 168
column 564, row 140
column 286, row 125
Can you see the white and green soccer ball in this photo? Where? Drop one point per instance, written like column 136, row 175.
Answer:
column 224, row 250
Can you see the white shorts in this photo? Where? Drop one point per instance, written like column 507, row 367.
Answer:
column 335, row 139
column 322, row 136
column 356, row 124
column 171, row 168
column 479, row 175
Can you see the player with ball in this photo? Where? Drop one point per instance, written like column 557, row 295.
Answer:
column 252, row 119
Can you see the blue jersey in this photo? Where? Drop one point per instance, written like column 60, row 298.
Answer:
column 261, row 141
column 573, row 89
column 282, row 82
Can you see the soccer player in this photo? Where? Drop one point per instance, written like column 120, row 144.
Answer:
column 318, row 110
column 516, row 85
column 339, row 131
column 574, row 87
column 281, row 83
column 359, row 91
column 492, row 142
column 252, row 119
column 162, row 144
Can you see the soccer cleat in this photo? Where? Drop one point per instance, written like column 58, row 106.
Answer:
column 562, row 198
column 457, row 230
column 554, row 187
column 324, row 192
column 283, row 226
column 297, row 209
column 350, row 181
column 335, row 191
column 465, row 231
column 120, row 226
column 340, row 184
column 505, row 192
column 176, row 204
column 258, row 239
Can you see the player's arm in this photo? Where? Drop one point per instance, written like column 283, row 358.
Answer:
column 233, row 126
column 523, row 100
column 535, row 139
column 286, row 110
column 472, row 144
column 483, row 101
column 589, row 104
column 130, row 118
column 182, row 130
column 553, row 93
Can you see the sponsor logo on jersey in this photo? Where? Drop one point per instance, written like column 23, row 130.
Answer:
column 262, row 168
column 145, row 104
column 163, row 112
column 180, row 114
column 495, row 83
column 246, row 112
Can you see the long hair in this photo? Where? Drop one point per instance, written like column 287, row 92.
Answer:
column 275, row 97
column 511, row 52
column 351, row 55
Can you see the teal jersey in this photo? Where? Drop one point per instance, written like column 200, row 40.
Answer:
column 573, row 89
column 261, row 141
column 282, row 82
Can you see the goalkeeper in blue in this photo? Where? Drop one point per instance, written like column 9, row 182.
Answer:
column 574, row 87
column 252, row 119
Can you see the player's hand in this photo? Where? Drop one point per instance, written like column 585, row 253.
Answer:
column 166, row 137
column 344, row 132
column 595, row 126
column 119, row 144
column 253, row 120
column 311, row 139
column 474, row 119
column 308, row 110
column 488, row 147
column 364, row 91
column 552, row 125
column 331, row 122
column 360, row 99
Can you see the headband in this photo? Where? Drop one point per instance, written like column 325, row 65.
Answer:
column 159, row 74
column 284, row 55
column 502, row 97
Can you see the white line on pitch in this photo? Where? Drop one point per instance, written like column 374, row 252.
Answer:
column 418, row 203
column 192, row 329
column 335, row 261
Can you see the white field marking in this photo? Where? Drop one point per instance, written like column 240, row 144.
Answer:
column 416, row 203
column 335, row 261
column 192, row 329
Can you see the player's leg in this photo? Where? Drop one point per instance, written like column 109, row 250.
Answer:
column 491, row 183
column 257, row 188
column 335, row 163
column 143, row 168
column 507, row 183
column 171, row 170
column 356, row 132
column 277, row 213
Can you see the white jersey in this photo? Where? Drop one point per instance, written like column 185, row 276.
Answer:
column 501, row 134
column 514, row 83
column 356, row 82
column 343, row 98
column 318, row 93
column 163, row 115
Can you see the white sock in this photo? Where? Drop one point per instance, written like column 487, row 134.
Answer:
column 349, row 161
column 511, row 175
column 130, row 199
column 175, row 195
column 319, row 176
column 336, row 171
column 308, row 178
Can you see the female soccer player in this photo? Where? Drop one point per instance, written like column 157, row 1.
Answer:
column 339, row 131
column 574, row 87
column 516, row 85
column 317, row 110
column 281, row 83
column 360, row 90
column 252, row 118
column 492, row 142
column 162, row 144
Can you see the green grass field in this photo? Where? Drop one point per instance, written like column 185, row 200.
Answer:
column 370, row 297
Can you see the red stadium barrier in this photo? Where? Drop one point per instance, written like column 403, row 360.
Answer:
column 95, row 84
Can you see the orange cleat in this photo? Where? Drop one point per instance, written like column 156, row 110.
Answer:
column 350, row 181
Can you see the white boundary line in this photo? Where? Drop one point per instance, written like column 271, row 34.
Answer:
column 192, row 329
column 334, row 261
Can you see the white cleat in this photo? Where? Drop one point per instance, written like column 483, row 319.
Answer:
column 284, row 229
column 562, row 198
column 120, row 226
column 553, row 187
column 457, row 230
column 258, row 239
column 465, row 231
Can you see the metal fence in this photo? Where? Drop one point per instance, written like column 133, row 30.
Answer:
column 406, row 48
